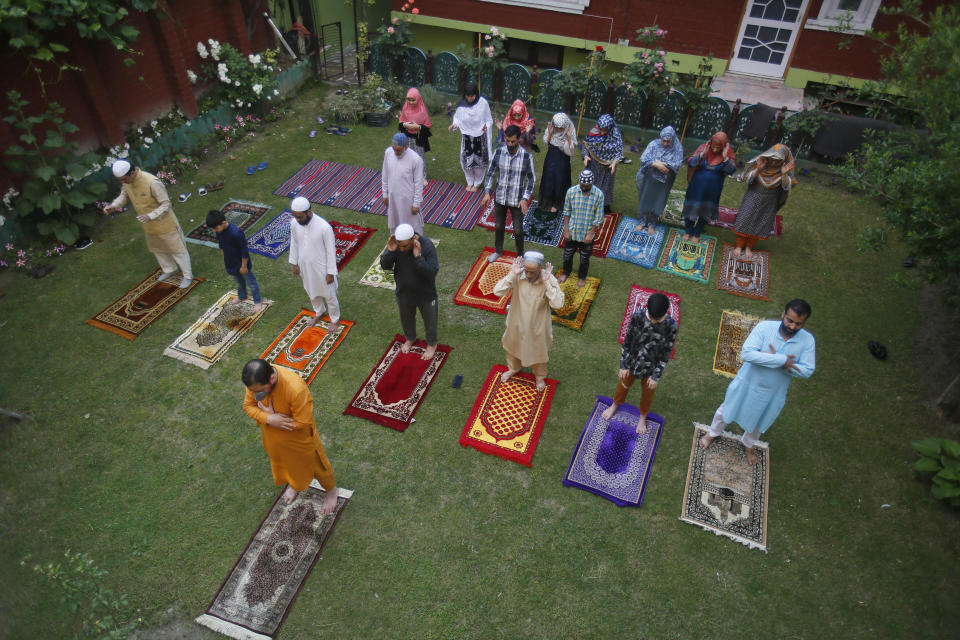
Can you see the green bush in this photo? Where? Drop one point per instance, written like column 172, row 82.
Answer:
column 434, row 102
column 940, row 458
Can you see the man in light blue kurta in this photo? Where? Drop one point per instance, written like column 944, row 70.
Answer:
column 773, row 353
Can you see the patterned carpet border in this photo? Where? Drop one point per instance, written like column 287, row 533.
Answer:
column 375, row 276
column 691, row 260
column 487, row 221
column 602, row 243
column 728, row 216
column 746, row 277
column 273, row 238
column 733, row 332
column 349, row 239
column 476, row 290
column 239, row 212
column 149, row 299
column 637, row 298
column 538, row 231
column 576, row 301
column 305, row 349
column 627, row 237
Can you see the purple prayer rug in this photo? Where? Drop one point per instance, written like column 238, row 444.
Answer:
column 612, row 460
column 254, row 600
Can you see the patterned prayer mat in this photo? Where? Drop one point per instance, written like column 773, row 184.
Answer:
column 377, row 277
column 254, row 600
column 634, row 246
column 638, row 298
column 734, row 329
column 576, row 301
column 217, row 330
column 274, row 238
column 728, row 216
column 349, row 238
column 507, row 417
column 396, row 387
column 488, row 222
column 692, row 260
column 602, row 242
column 305, row 349
column 135, row 310
column 477, row 288
column 673, row 213
column 242, row 214
column 724, row 493
column 542, row 227
column 611, row 459
column 747, row 277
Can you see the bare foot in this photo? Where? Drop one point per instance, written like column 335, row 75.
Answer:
column 562, row 278
column 428, row 352
column 695, row 239
column 329, row 504
column 405, row 347
column 642, row 425
column 257, row 308
column 652, row 231
column 737, row 251
column 686, row 237
column 751, row 455
column 314, row 320
column 541, row 384
column 289, row 495
column 333, row 327
column 748, row 253
column 553, row 209
column 506, row 375
column 639, row 227
column 705, row 441
column 581, row 283
column 610, row 411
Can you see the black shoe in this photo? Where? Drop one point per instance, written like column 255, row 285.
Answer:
column 909, row 262
column 877, row 350
column 82, row 243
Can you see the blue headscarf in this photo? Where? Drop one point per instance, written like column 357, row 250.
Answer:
column 672, row 156
column 605, row 148
column 399, row 139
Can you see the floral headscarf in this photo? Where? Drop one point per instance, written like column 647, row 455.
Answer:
column 417, row 112
column 769, row 176
column 518, row 115
column 671, row 155
column 605, row 148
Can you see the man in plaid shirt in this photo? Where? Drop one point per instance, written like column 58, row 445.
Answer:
column 514, row 188
column 582, row 217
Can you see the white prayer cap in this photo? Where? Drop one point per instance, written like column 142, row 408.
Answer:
column 121, row 168
column 300, row 204
column 533, row 256
column 403, row 232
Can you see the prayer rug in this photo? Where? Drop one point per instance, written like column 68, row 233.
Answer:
column 507, row 417
column 576, row 301
column 349, row 238
column 377, row 277
column 734, row 329
column 135, row 310
column 488, row 222
column 611, row 459
column 477, row 288
column 747, row 277
column 240, row 213
column 727, row 216
column 542, row 227
column 274, row 238
column 602, row 242
column 305, row 349
column 673, row 213
column 692, row 260
column 724, row 493
column 634, row 246
column 257, row 594
column 396, row 387
column 637, row 299
column 217, row 330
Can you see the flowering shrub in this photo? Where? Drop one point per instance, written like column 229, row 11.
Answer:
column 241, row 127
column 491, row 55
column 391, row 44
column 242, row 82
column 648, row 71
column 23, row 258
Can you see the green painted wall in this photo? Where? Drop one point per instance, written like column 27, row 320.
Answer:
column 329, row 11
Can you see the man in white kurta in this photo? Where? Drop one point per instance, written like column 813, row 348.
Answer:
column 313, row 254
column 402, row 182
column 164, row 236
column 529, row 332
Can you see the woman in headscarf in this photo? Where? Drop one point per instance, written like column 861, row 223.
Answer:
column 713, row 161
column 770, row 179
column 658, row 169
column 561, row 140
column 601, row 151
column 518, row 115
column 475, row 122
column 415, row 122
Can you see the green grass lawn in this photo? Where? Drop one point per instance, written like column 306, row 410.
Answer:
column 150, row 465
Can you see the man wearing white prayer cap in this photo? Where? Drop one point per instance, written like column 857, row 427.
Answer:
column 155, row 213
column 413, row 260
column 401, row 179
column 529, row 332
column 313, row 254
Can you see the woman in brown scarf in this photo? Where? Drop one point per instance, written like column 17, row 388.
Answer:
column 770, row 178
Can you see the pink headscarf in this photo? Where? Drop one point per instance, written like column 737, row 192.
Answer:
column 524, row 121
column 417, row 112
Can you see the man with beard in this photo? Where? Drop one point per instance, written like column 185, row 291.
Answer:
column 313, row 254
column 772, row 354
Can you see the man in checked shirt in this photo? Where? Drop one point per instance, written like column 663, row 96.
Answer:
column 514, row 188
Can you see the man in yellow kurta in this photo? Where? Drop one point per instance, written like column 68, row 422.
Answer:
column 529, row 332
column 279, row 401
column 155, row 213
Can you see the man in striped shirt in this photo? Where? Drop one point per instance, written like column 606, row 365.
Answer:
column 582, row 218
column 514, row 188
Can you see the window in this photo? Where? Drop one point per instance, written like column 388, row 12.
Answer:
column 860, row 12
column 566, row 6
column 530, row 53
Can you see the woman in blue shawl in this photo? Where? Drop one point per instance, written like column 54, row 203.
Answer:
column 601, row 152
column 658, row 169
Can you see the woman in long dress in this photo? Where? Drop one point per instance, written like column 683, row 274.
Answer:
column 770, row 179
column 560, row 139
column 601, row 151
column 475, row 122
column 658, row 169
column 518, row 115
column 415, row 123
column 707, row 168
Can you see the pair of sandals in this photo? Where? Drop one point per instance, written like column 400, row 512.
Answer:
column 256, row 167
column 337, row 131
column 210, row 186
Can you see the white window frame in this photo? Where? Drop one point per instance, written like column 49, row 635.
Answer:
column 565, row 6
column 831, row 14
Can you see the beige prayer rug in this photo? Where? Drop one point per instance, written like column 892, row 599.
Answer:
column 576, row 301
column 217, row 330
column 734, row 329
column 742, row 276
column 305, row 349
column 259, row 591
column 138, row 308
column 377, row 277
column 724, row 493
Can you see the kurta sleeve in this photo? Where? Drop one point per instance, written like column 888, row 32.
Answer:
column 330, row 250
column 554, row 293
column 417, row 181
column 806, row 361
column 385, row 174
column 294, row 255
column 159, row 193
column 301, row 406
column 754, row 350
column 506, row 283
column 251, row 409
column 121, row 200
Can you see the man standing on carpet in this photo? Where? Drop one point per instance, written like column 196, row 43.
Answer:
column 279, row 401
column 413, row 260
column 313, row 254
column 772, row 354
column 529, row 332
column 514, row 188
column 646, row 351
column 236, row 256
column 155, row 213
column 582, row 218
column 402, row 182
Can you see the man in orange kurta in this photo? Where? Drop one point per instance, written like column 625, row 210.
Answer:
column 278, row 400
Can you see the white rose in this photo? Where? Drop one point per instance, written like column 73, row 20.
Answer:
column 192, row 76
column 236, row 83
column 257, row 88
column 275, row 92
column 148, row 140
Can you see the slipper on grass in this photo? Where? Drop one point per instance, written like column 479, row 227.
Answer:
column 344, row 130
column 262, row 166
column 202, row 191
column 216, row 186
column 313, row 134
column 251, row 169
column 184, row 196
column 319, row 120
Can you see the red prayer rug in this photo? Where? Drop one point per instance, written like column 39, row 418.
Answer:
column 305, row 349
column 487, row 221
column 349, row 238
column 396, row 387
column 727, row 216
column 477, row 288
column 508, row 416
column 638, row 298
column 747, row 277
column 138, row 308
column 601, row 245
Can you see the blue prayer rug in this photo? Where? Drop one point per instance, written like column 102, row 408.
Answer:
column 611, row 459
column 634, row 246
column 273, row 239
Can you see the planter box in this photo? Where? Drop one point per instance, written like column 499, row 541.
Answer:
column 377, row 118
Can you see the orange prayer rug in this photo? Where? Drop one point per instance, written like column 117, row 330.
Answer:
column 747, row 277
column 734, row 329
column 138, row 308
column 305, row 349
column 576, row 301
column 601, row 244
column 508, row 416
column 396, row 387
column 477, row 288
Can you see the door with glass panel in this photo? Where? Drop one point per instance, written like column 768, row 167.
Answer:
column 767, row 35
